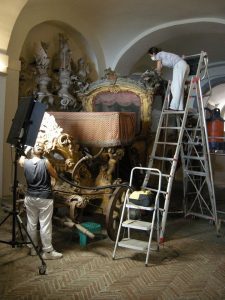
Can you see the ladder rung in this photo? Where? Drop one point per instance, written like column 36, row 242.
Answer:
column 166, row 175
column 173, row 112
column 195, row 173
column 133, row 244
column 167, row 143
column 155, row 190
column 200, row 215
column 193, row 143
column 171, row 127
column 136, row 224
column 194, row 157
column 192, row 129
column 162, row 158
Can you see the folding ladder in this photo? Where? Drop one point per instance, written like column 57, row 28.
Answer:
column 131, row 224
column 183, row 134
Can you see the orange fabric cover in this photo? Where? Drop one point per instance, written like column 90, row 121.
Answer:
column 102, row 129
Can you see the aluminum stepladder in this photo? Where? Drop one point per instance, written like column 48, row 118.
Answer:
column 167, row 149
column 126, row 221
column 199, row 194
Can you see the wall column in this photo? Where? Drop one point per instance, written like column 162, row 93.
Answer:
column 10, row 107
column 2, row 110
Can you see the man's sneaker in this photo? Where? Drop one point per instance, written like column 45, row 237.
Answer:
column 52, row 255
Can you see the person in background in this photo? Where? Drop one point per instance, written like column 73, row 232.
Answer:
column 180, row 73
column 38, row 200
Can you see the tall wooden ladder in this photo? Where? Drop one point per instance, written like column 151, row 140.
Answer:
column 126, row 238
column 183, row 135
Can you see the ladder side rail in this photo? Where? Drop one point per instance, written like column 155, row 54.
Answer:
column 204, row 125
column 170, row 182
column 205, row 133
column 158, row 132
column 185, row 181
column 155, row 215
column 203, row 66
column 186, row 163
column 208, row 157
column 200, row 200
column 174, row 164
column 173, row 169
column 194, row 55
column 158, row 173
column 121, row 219
column 206, row 164
column 186, row 149
column 199, row 68
column 202, row 63
column 198, row 194
column 210, row 88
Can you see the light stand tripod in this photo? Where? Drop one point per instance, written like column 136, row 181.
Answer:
column 24, row 131
column 16, row 220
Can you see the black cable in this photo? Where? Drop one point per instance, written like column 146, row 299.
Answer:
column 95, row 188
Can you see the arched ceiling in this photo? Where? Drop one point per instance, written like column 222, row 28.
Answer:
column 124, row 29
column 188, row 38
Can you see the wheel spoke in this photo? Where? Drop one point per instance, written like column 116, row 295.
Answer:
column 114, row 212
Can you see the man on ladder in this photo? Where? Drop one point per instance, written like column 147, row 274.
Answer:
column 197, row 153
column 180, row 73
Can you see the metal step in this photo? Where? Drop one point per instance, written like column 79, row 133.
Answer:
column 136, row 224
column 139, row 207
column 133, row 244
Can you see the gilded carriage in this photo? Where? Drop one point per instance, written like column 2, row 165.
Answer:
column 94, row 149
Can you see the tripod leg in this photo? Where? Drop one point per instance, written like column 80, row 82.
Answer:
column 3, row 221
column 20, row 230
column 43, row 267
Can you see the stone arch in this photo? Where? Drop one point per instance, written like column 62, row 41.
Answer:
column 170, row 35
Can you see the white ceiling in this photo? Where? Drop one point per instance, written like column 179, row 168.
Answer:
column 125, row 29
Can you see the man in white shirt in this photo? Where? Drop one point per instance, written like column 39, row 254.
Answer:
column 180, row 73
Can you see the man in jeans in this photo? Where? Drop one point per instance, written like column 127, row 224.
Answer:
column 38, row 201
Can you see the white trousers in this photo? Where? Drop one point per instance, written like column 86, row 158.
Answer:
column 180, row 74
column 39, row 209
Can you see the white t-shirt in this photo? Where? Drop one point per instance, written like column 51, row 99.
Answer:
column 168, row 59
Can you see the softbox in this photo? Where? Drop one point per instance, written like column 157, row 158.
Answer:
column 26, row 123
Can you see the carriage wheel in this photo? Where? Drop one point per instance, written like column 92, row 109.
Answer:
column 114, row 211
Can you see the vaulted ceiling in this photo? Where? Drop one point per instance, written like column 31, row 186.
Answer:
column 123, row 30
